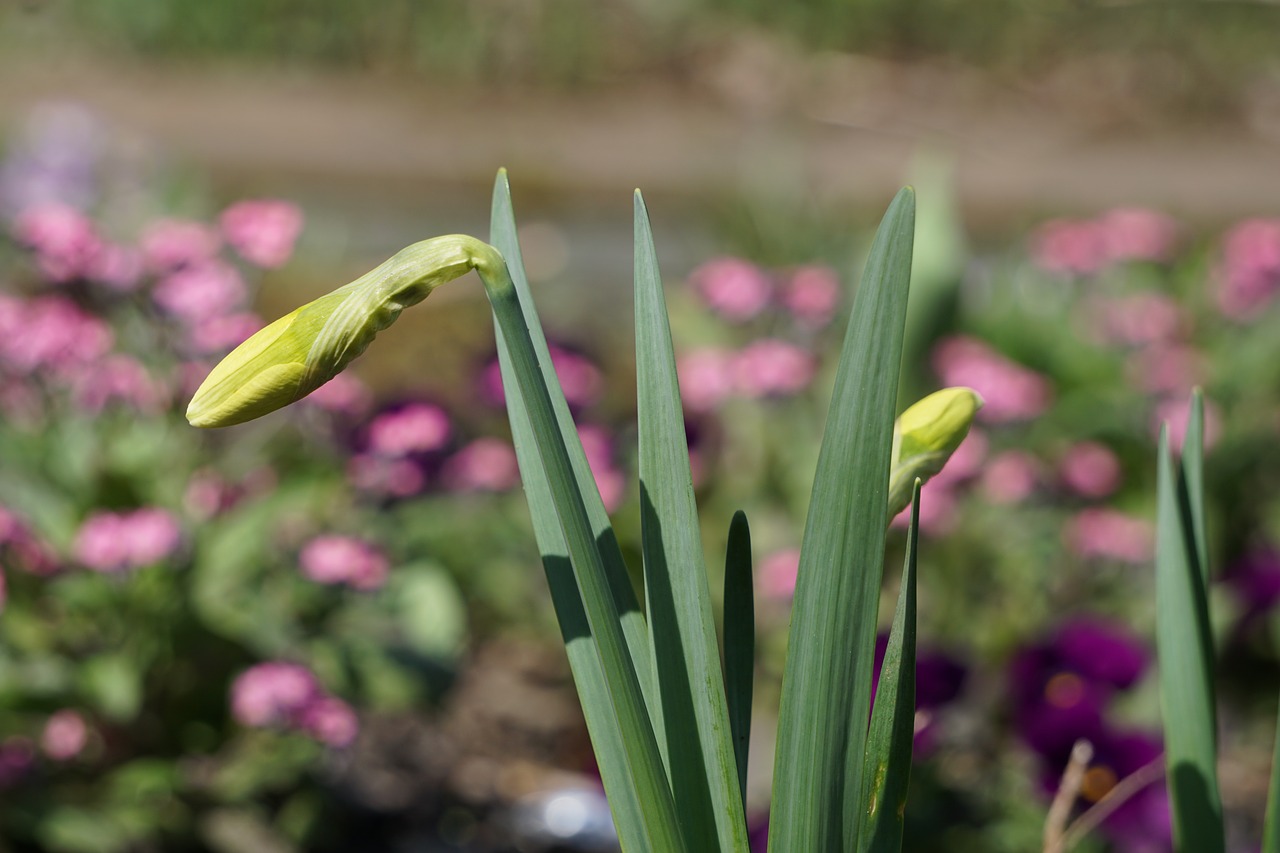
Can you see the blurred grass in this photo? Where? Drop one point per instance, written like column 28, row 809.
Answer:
column 1187, row 54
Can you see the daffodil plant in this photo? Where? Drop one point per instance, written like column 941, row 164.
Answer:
column 668, row 722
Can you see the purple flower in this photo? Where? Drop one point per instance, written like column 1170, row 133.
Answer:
column 65, row 735
column 773, row 368
column 1011, row 392
column 115, row 542
column 484, row 465
column 342, row 559
column 263, row 231
column 1090, row 470
column 17, row 757
column 1255, row 580
column 199, row 291
column 410, row 429
column 735, row 289
column 273, row 694
column 940, row 678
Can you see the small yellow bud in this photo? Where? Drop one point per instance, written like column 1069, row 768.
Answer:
column 925, row 436
column 301, row 351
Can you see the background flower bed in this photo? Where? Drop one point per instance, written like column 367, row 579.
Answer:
column 211, row 636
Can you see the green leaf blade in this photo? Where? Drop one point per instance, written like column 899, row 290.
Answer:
column 694, row 730
column 739, row 641
column 892, row 734
column 1271, row 828
column 627, row 796
column 1184, row 651
column 818, row 802
column 1193, row 477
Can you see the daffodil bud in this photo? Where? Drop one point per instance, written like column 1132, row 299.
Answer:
column 925, row 436
column 301, row 351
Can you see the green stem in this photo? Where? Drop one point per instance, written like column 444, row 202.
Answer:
column 624, row 687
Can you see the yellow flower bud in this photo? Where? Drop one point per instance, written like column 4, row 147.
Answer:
column 301, row 351
column 925, row 436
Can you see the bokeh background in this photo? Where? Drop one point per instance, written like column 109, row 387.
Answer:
column 328, row 630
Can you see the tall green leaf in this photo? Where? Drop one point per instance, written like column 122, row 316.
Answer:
column 1271, row 829
column 693, row 726
column 1193, row 478
column 889, row 742
column 1184, row 648
column 739, row 640
column 818, row 803
column 607, row 734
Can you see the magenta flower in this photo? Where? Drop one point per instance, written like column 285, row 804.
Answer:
column 1255, row 580
column 63, row 238
column 412, row 428
column 706, row 378
column 1138, row 234
column 330, row 721
column 1090, row 470
column 812, row 294
column 197, row 292
column 1011, row 477
column 735, row 289
column 1249, row 276
column 484, row 465
column 1105, row 534
column 273, row 694
column 773, row 368
column 171, row 244
column 1011, row 391
column 65, row 735
column 263, row 231
column 342, row 559
column 115, row 542
column 1076, row 247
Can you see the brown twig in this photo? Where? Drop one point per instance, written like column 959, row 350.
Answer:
column 1055, row 824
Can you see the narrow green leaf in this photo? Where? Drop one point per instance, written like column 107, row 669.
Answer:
column 1193, row 476
column 1271, row 829
column 693, row 727
column 607, row 735
column 818, row 804
column 739, row 640
column 1184, row 650
column 889, row 742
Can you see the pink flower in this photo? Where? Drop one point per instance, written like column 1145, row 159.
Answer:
column 50, row 333
column 344, row 394
column 63, row 238
column 1175, row 413
column 1249, row 276
column 736, row 289
column 938, row 506
column 1142, row 318
column 414, row 428
column 1166, row 369
column 484, row 465
column 598, row 447
column 773, row 368
column 263, row 231
column 117, row 267
column 273, row 694
column 114, row 542
column 65, row 735
column 1138, row 234
column 778, row 573
column 1010, row 477
column 330, row 721
column 21, row 548
column 1011, row 391
column 170, row 244
column 706, row 378
column 812, row 294
column 342, row 559
column 1070, row 247
column 580, row 379
column 1107, row 534
column 220, row 333
column 200, row 291
column 1090, row 470
column 965, row 462
column 118, row 379
column 387, row 476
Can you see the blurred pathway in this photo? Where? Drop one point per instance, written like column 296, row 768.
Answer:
column 847, row 134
